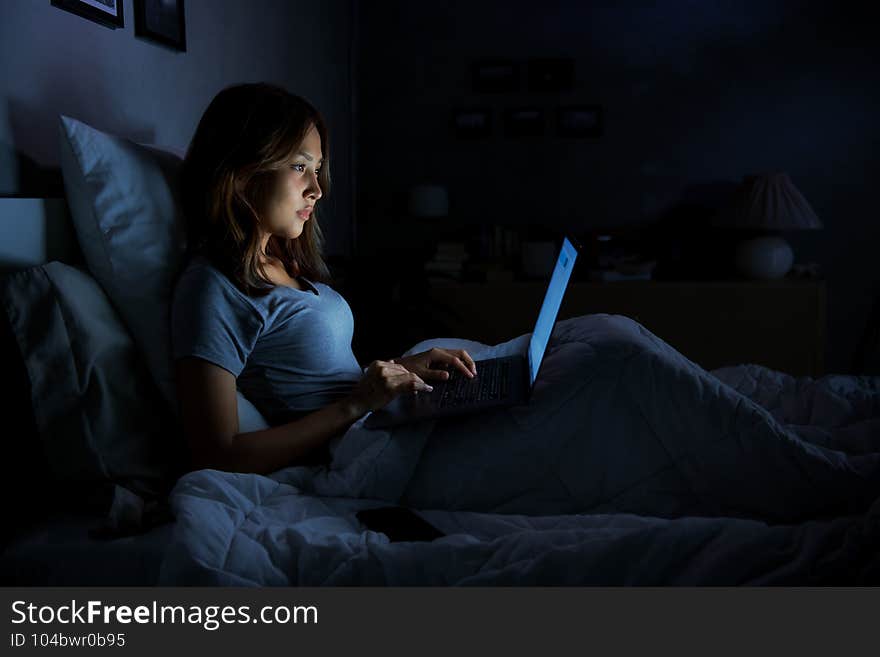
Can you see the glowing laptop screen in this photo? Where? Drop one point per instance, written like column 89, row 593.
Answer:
column 550, row 307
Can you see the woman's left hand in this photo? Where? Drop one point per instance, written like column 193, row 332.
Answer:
column 433, row 365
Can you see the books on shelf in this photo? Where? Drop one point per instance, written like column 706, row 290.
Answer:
column 444, row 265
column 610, row 275
column 448, row 262
column 625, row 271
column 450, row 251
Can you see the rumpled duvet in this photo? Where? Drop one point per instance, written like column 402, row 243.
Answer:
column 629, row 465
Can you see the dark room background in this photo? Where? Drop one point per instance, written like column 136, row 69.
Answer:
column 694, row 96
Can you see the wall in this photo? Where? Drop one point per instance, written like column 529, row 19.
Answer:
column 696, row 95
column 53, row 62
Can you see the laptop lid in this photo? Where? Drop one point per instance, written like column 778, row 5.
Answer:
column 550, row 308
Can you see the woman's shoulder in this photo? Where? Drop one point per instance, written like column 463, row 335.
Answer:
column 201, row 281
column 198, row 274
column 199, row 266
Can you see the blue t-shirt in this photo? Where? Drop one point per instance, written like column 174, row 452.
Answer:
column 290, row 349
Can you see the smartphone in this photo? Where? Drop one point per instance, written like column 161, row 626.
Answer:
column 399, row 524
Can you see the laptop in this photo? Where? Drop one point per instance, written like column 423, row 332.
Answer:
column 500, row 382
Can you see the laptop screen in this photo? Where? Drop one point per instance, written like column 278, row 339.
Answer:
column 550, row 307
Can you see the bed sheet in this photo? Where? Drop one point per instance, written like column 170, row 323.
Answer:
column 59, row 551
column 254, row 531
column 631, row 464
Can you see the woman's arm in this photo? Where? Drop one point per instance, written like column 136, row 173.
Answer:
column 209, row 410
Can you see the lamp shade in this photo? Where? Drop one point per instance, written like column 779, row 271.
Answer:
column 768, row 201
column 428, row 201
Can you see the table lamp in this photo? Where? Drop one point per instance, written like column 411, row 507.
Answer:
column 767, row 203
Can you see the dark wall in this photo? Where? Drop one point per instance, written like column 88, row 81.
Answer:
column 695, row 96
column 54, row 62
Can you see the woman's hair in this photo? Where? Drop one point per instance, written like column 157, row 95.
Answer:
column 247, row 133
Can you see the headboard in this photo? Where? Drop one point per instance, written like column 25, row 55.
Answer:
column 34, row 231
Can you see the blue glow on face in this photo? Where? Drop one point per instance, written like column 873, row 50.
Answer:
column 550, row 307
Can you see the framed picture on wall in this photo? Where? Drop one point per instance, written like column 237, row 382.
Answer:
column 551, row 74
column 524, row 122
column 472, row 123
column 105, row 12
column 161, row 21
column 579, row 121
column 495, row 76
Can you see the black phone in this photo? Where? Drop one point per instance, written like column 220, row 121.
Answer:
column 399, row 524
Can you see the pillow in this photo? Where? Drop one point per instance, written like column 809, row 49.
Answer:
column 125, row 213
column 98, row 413
column 22, row 453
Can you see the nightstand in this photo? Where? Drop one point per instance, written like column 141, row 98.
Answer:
column 778, row 324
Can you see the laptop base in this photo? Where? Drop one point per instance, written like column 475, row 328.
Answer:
column 424, row 405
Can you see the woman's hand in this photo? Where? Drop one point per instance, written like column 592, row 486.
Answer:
column 433, row 365
column 382, row 382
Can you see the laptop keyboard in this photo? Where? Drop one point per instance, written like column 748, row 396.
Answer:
column 491, row 382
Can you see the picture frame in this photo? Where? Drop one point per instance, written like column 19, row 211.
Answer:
column 579, row 121
column 162, row 21
column 524, row 122
column 492, row 76
column 551, row 75
column 472, row 123
column 108, row 13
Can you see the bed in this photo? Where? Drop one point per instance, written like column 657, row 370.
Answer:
column 97, row 489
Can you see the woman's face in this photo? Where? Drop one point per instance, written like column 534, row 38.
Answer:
column 293, row 191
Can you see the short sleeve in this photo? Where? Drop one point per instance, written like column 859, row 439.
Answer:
column 212, row 320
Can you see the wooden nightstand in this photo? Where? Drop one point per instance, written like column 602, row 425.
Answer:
column 778, row 324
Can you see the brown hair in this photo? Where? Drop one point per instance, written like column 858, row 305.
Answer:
column 246, row 134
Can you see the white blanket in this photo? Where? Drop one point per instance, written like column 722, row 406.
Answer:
column 618, row 423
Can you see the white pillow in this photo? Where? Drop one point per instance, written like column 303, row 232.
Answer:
column 126, row 216
column 94, row 403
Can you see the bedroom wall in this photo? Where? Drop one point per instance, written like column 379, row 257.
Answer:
column 54, row 62
column 696, row 95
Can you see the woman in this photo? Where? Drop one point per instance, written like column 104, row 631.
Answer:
column 617, row 420
column 253, row 305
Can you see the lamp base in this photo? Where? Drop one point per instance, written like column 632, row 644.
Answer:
column 764, row 258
